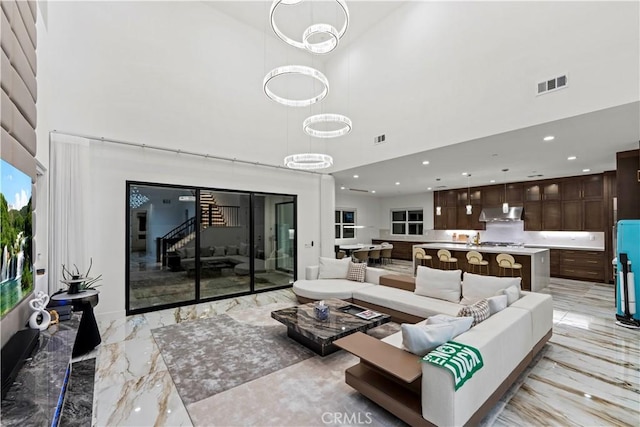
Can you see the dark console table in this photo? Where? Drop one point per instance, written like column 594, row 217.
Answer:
column 37, row 394
column 88, row 334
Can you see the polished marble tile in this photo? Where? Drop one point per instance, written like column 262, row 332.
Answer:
column 115, row 329
column 128, row 360
column 151, row 400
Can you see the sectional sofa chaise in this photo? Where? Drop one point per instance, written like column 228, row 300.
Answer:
column 215, row 258
column 421, row 393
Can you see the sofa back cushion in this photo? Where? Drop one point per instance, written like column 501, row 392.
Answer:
column 205, row 251
column 440, row 284
column 232, row 250
column 512, row 293
column 331, row 268
column 420, row 339
column 244, row 249
column 476, row 287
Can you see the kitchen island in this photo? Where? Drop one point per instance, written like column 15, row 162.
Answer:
column 535, row 261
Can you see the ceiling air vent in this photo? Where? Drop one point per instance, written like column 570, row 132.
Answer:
column 380, row 139
column 553, row 84
column 357, row 189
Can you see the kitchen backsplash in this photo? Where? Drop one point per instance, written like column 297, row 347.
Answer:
column 514, row 232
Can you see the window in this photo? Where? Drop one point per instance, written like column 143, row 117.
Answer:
column 345, row 223
column 406, row 221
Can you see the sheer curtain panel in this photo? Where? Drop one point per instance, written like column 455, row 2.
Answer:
column 69, row 205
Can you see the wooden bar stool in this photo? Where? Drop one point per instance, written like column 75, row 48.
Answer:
column 508, row 262
column 474, row 259
column 445, row 258
column 420, row 256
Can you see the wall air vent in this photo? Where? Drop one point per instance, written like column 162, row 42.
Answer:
column 380, row 139
column 357, row 189
column 553, row 84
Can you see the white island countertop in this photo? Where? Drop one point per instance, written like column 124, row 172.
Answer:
column 513, row 250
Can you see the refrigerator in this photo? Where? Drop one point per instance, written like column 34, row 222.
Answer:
column 627, row 283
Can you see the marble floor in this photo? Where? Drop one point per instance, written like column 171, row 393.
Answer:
column 589, row 374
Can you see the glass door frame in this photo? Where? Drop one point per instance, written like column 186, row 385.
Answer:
column 197, row 294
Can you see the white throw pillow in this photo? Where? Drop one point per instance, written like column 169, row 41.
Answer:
column 421, row 339
column 440, row 284
column 460, row 324
column 476, row 287
column 331, row 268
column 512, row 293
column 498, row 303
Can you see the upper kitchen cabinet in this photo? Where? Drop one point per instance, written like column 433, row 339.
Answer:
column 582, row 204
column 492, row 195
column 587, row 187
column 532, row 192
column 514, row 194
column 551, row 190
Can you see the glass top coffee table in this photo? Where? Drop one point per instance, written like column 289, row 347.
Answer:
column 319, row 335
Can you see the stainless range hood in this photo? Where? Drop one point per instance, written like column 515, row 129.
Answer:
column 497, row 215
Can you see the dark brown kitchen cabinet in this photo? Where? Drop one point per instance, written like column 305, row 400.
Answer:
column 492, row 195
column 572, row 189
column 514, row 194
column 533, row 216
column 532, row 192
column 577, row 264
column 593, row 187
column 594, row 219
column 551, row 191
column 552, row 215
column 572, row 214
column 447, row 219
column 554, row 262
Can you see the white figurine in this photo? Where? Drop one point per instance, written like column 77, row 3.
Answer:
column 38, row 304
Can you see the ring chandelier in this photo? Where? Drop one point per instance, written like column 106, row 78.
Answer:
column 320, row 47
column 326, row 118
column 308, row 161
column 301, row 70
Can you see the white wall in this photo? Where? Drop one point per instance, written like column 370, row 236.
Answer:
column 113, row 165
column 367, row 209
column 436, row 73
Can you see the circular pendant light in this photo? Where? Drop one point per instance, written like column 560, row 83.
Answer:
column 302, row 70
column 327, row 118
column 308, row 161
column 321, row 47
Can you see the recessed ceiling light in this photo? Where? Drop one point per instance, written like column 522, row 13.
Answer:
column 342, row 187
column 397, row 183
column 426, row 162
column 549, row 138
column 586, row 170
column 571, row 158
column 465, row 173
column 428, row 188
column 356, row 176
column 492, row 181
column 373, row 191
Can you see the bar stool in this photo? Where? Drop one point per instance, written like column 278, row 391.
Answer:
column 420, row 256
column 474, row 259
column 506, row 261
column 445, row 258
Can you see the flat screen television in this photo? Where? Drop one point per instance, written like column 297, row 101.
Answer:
column 16, row 267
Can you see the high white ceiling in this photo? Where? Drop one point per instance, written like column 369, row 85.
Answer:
column 407, row 83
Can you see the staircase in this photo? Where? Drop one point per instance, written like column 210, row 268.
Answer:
column 211, row 214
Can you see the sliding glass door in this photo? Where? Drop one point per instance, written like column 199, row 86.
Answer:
column 186, row 245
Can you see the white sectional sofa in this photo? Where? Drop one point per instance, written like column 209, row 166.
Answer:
column 421, row 393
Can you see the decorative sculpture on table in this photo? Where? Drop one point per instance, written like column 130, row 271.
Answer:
column 38, row 304
column 78, row 282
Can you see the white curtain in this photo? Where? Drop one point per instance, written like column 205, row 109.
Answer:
column 70, row 183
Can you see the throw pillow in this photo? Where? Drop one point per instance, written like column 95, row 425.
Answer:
column 476, row 287
column 497, row 303
column 440, row 284
column 512, row 293
column 205, row 252
column 331, row 268
column 460, row 324
column 232, row 250
column 479, row 311
column 219, row 251
column 244, row 249
column 421, row 339
column 357, row 271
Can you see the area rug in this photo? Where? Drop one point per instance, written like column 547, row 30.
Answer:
column 209, row 356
